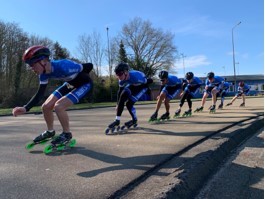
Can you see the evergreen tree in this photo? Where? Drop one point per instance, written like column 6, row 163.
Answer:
column 122, row 53
column 59, row 52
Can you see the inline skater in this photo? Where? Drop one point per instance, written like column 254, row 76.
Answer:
column 190, row 87
column 242, row 90
column 77, row 84
column 170, row 88
column 222, row 93
column 132, row 85
column 212, row 86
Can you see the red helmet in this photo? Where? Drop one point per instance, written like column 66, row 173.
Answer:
column 35, row 54
column 241, row 84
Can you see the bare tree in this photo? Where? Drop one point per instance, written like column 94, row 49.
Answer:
column 91, row 49
column 149, row 49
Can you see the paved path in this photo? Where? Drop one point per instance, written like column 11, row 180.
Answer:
column 242, row 175
column 100, row 165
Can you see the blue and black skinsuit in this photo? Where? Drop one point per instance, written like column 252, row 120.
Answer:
column 130, row 91
column 76, row 77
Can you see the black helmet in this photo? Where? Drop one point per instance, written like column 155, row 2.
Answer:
column 163, row 74
column 241, row 84
column 121, row 67
column 210, row 75
column 189, row 75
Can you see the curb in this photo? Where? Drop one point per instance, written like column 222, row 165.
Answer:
column 185, row 174
column 204, row 162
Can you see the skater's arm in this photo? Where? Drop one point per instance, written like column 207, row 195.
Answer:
column 36, row 98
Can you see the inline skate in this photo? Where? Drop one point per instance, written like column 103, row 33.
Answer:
column 61, row 142
column 128, row 125
column 242, row 105
column 199, row 109
column 220, row 106
column 212, row 110
column 187, row 113
column 113, row 127
column 164, row 117
column 41, row 139
column 153, row 117
column 177, row 113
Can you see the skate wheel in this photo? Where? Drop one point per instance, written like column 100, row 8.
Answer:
column 72, row 143
column 123, row 127
column 48, row 149
column 107, row 131
column 30, row 145
column 60, row 147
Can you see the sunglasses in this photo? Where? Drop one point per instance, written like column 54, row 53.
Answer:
column 162, row 80
column 119, row 74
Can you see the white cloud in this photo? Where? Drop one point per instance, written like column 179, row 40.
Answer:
column 192, row 62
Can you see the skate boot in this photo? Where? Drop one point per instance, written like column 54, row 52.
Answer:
column 187, row 113
column 44, row 136
column 210, row 107
column 114, row 126
column 129, row 124
column 164, row 117
column 60, row 143
column 41, row 139
column 220, row 106
column 212, row 110
column 153, row 118
column 177, row 113
column 199, row 109
column 229, row 104
column 242, row 105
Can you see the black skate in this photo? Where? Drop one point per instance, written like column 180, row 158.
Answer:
column 164, row 117
column 153, row 118
column 113, row 127
column 187, row 113
column 229, row 104
column 128, row 125
column 220, row 106
column 41, row 139
column 60, row 143
column 177, row 113
column 242, row 105
column 199, row 109
column 212, row 110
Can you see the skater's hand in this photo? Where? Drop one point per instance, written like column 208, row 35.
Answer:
column 181, row 94
column 18, row 111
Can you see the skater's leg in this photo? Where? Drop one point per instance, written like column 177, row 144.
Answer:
column 167, row 105
column 189, row 101
column 47, row 109
column 160, row 99
column 131, row 109
column 123, row 98
column 204, row 97
column 60, row 109
column 214, row 98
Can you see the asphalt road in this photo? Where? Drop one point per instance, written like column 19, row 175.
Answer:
column 99, row 165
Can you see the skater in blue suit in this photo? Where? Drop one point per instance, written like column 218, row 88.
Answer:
column 132, row 85
column 77, row 84
column 170, row 88
column 213, row 84
column 242, row 90
column 191, row 85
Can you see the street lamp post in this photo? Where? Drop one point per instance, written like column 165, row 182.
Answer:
column 110, row 68
column 234, row 63
column 183, row 56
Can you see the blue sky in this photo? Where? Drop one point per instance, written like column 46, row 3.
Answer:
column 202, row 28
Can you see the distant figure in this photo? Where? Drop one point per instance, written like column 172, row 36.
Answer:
column 169, row 89
column 190, row 87
column 242, row 90
column 213, row 84
column 222, row 93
